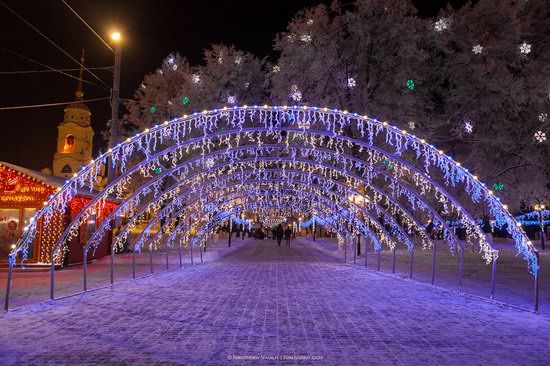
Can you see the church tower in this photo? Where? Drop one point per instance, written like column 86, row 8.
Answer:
column 75, row 136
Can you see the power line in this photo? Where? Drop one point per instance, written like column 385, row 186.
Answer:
column 87, row 25
column 54, row 70
column 52, row 42
column 49, row 104
column 50, row 69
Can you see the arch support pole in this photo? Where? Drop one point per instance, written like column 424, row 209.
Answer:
column 200, row 252
column 8, row 285
column 366, row 251
column 460, row 268
column 134, row 263
column 354, row 250
column 167, row 261
column 434, row 251
column 379, row 253
column 412, row 264
column 52, row 278
column 85, row 270
column 112, row 265
column 493, row 278
column 536, row 306
column 393, row 261
column 179, row 254
column 151, row 257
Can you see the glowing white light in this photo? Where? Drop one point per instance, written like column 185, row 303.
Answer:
column 232, row 99
column 310, row 22
column 276, row 69
column 171, row 60
column 174, row 67
column 238, row 60
column 468, row 127
column 305, row 38
column 540, row 136
column 351, row 83
column 412, row 125
column 196, row 78
column 143, row 86
column 247, row 84
column 525, row 48
column 441, row 25
column 543, row 117
column 477, row 49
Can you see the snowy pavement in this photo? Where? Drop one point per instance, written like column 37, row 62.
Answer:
column 273, row 305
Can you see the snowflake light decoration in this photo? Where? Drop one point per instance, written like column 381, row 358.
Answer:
column 525, row 48
column 305, row 38
column 174, row 67
column 441, row 25
column 540, row 136
column 351, row 83
column 477, row 49
column 209, row 163
column 276, row 69
column 310, row 22
column 498, row 186
column 294, row 87
column 220, row 59
column 410, row 84
column 184, row 100
column 247, row 84
column 238, row 60
column 152, row 109
column 412, row 125
column 170, row 60
column 468, row 127
column 296, row 94
column 232, row 99
column 543, row 117
column 196, row 78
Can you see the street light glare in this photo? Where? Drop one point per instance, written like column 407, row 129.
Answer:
column 115, row 36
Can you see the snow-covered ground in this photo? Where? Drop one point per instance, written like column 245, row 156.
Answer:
column 292, row 305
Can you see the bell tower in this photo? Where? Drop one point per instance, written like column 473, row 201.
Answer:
column 75, row 135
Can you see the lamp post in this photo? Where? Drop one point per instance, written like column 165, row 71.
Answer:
column 113, row 140
column 540, row 209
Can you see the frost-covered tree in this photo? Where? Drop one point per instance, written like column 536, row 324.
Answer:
column 176, row 88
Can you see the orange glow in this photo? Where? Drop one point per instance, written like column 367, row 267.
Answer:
column 69, row 144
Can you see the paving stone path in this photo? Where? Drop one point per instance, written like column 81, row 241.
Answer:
column 266, row 304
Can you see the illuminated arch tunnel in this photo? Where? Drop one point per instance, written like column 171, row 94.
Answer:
column 366, row 179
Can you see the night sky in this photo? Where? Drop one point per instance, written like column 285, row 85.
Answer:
column 151, row 30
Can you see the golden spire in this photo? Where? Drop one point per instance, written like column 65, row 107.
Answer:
column 79, row 93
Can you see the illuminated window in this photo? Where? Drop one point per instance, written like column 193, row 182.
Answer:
column 69, row 144
column 66, row 169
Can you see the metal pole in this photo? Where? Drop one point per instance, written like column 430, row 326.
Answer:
column 358, row 245
column 151, row 257
column 541, row 229
column 166, row 250
column 8, row 288
column 191, row 250
column 200, row 251
column 346, row 249
column 460, row 268
column 134, row 263
column 179, row 253
column 230, row 229
column 366, row 251
column 433, row 263
column 412, row 262
column 52, row 278
column 536, row 307
column 393, row 261
column 379, row 252
column 354, row 251
column 85, row 269
column 112, row 265
column 113, row 139
column 493, row 278
column 314, row 228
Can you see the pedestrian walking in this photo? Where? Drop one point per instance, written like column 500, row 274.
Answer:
column 279, row 234
column 288, row 235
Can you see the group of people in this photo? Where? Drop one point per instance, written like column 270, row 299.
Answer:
column 279, row 232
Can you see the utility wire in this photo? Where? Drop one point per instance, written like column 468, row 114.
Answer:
column 52, row 42
column 50, row 104
column 54, row 70
column 50, row 69
column 87, row 25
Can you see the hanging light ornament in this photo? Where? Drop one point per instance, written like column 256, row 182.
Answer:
column 232, row 99
column 441, row 25
column 540, row 136
column 525, row 48
column 498, row 186
column 184, row 100
column 305, row 38
column 543, row 117
column 477, row 49
column 351, row 83
column 412, row 125
column 276, row 69
column 152, row 109
column 410, row 84
column 196, row 78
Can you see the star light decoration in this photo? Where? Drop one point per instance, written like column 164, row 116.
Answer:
column 525, row 48
column 275, row 69
column 441, row 25
column 412, row 125
column 540, row 137
column 477, row 49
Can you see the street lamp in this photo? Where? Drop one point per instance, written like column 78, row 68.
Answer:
column 540, row 208
column 116, row 38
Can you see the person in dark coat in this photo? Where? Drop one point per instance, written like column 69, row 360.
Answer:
column 279, row 234
column 288, row 235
